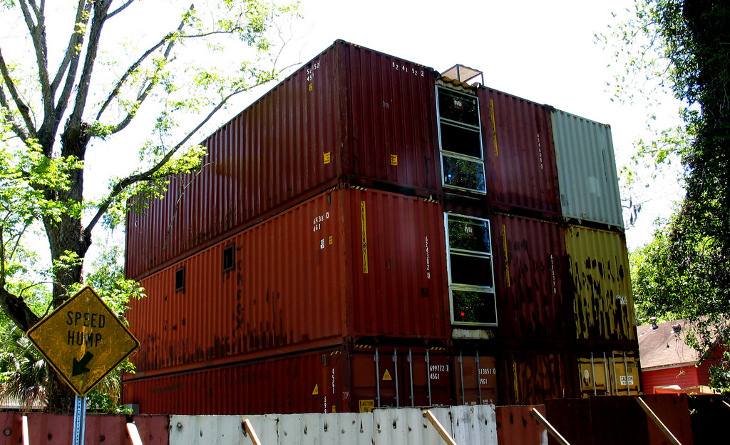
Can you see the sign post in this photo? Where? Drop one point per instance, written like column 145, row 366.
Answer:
column 83, row 340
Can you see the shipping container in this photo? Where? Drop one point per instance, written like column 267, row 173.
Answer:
column 602, row 297
column 534, row 303
column 338, row 379
column 347, row 263
column 609, row 373
column 534, row 376
column 521, row 172
column 348, row 115
column 586, row 171
column 475, row 378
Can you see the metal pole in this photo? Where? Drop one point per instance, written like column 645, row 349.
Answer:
column 26, row 434
column 626, row 372
column 658, row 422
column 377, row 375
column 428, row 373
column 439, row 428
column 410, row 371
column 134, row 434
column 461, row 374
column 550, row 429
column 593, row 375
column 395, row 369
column 615, row 377
column 79, row 420
column 479, row 377
column 247, row 427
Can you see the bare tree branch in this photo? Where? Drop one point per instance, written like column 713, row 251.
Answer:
column 19, row 102
column 35, row 21
column 119, row 9
column 170, row 39
column 99, row 9
column 71, row 56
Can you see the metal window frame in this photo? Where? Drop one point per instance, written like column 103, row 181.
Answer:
column 467, row 287
column 477, row 128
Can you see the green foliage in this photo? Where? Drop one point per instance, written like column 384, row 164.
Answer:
column 685, row 271
column 70, row 88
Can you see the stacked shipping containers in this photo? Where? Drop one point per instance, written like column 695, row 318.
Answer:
column 371, row 234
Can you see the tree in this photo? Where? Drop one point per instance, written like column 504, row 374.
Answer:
column 75, row 96
column 685, row 272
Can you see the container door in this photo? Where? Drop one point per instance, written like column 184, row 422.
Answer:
column 593, row 373
column 476, row 379
column 625, row 373
column 426, row 377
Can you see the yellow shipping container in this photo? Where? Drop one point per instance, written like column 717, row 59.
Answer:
column 599, row 267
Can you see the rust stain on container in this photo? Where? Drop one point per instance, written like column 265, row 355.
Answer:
column 533, row 376
column 515, row 425
column 350, row 114
column 530, row 287
column 599, row 268
column 300, row 278
column 521, row 173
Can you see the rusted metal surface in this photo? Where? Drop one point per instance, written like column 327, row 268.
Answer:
column 102, row 429
column 708, row 412
column 599, row 269
column 519, row 156
column 535, row 376
column 350, row 114
column 331, row 380
column 586, row 170
column 348, row 263
column 515, row 425
column 530, row 278
column 475, row 378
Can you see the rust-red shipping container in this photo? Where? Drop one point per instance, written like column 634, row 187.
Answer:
column 534, row 305
column 519, row 155
column 350, row 114
column 533, row 376
column 338, row 379
column 347, row 263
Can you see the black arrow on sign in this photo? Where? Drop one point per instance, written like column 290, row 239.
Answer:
column 79, row 366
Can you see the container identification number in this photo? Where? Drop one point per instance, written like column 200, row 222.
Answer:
column 436, row 370
column 404, row 68
column 310, row 71
column 318, row 220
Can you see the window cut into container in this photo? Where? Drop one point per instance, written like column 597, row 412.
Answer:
column 180, row 280
column 229, row 257
column 460, row 140
column 471, row 273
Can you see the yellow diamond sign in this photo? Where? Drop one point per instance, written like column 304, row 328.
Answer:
column 83, row 340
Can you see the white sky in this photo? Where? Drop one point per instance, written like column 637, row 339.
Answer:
column 544, row 51
column 541, row 50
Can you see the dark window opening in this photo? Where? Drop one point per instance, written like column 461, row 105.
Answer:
column 180, row 280
column 229, row 257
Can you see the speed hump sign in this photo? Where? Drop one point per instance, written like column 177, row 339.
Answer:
column 83, row 340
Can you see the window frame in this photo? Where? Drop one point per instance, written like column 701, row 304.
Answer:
column 488, row 291
column 465, row 126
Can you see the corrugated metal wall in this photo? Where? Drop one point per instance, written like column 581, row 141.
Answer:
column 530, row 271
column 586, row 170
column 349, row 114
column 347, row 263
column 603, row 301
column 519, row 155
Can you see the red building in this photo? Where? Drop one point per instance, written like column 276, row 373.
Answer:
column 668, row 363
